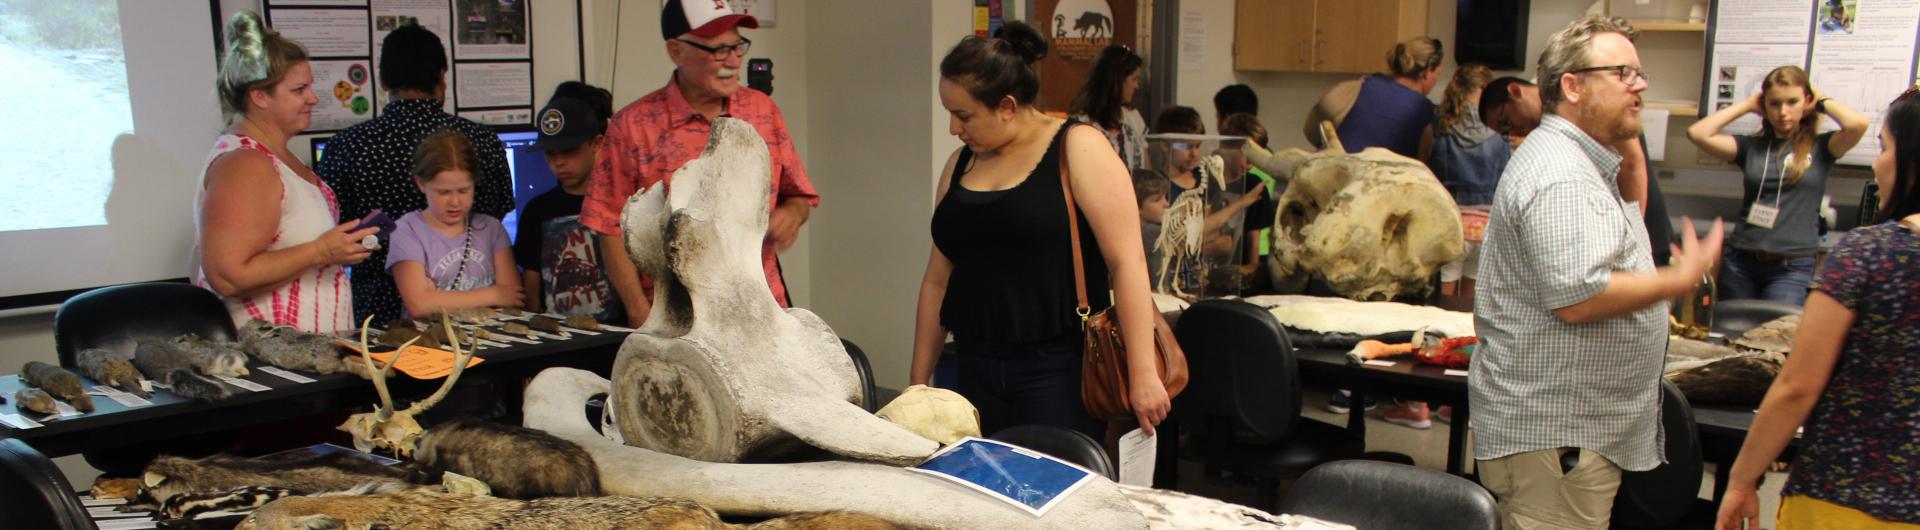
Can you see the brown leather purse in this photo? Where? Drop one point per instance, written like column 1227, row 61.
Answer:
column 1104, row 387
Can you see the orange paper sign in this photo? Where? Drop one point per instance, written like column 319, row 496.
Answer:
column 422, row 362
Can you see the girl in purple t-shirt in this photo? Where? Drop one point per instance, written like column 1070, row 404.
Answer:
column 447, row 257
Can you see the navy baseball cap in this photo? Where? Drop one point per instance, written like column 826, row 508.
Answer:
column 565, row 124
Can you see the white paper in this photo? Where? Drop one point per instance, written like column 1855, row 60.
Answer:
column 109, row 511
column 490, row 29
column 345, row 90
column 86, row 500
column 611, row 327
column 285, row 374
column 430, row 14
column 522, row 116
column 1737, row 71
column 242, row 383
column 1756, row 21
column 18, row 422
column 1868, row 64
column 1653, row 125
column 1377, row 362
column 325, row 32
column 64, row 410
column 1193, row 41
column 580, row 331
column 123, row 398
column 127, row 524
column 1461, row 373
column 1137, row 453
column 494, row 84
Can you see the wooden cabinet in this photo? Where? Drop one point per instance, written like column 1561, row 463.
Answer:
column 1342, row 36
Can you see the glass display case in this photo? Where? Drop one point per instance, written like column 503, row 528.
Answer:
column 1196, row 239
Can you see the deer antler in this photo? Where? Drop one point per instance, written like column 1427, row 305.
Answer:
column 460, row 359
column 380, row 372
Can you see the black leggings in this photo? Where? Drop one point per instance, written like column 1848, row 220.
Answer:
column 1024, row 390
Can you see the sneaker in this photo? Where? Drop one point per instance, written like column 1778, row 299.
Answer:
column 1413, row 414
column 1340, row 404
column 1444, row 413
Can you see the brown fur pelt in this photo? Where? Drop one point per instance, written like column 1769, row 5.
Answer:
column 169, row 476
column 517, row 462
column 425, row 508
column 1740, row 380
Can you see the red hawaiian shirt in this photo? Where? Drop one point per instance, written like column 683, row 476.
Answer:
column 650, row 139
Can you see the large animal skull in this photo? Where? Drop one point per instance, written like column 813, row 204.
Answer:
column 385, row 428
column 1373, row 225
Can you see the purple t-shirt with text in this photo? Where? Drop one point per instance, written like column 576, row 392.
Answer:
column 413, row 240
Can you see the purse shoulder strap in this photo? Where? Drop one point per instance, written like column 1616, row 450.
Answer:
column 1073, row 230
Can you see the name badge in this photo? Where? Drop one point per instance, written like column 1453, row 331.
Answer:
column 1763, row 216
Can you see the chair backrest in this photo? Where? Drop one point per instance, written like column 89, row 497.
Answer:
column 33, row 493
column 1369, row 494
column 1240, row 368
column 1734, row 317
column 1062, row 443
column 118, row 317
column 870, row 399
column 1660, row 496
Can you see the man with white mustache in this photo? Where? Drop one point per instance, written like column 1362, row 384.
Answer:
column 656, row 134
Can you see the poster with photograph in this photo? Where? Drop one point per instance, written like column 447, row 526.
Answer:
column 1737, row 71
column 491, row 29
column 345, row 91
column 325, row 32
column 483, row 85
column 522, row 116
column 1865, row 60
column 433, row 15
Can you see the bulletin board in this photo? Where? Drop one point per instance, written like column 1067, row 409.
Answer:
column 1859, row 52
column 489, row 46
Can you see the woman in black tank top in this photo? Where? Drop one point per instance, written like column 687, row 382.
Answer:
column 1000, row 277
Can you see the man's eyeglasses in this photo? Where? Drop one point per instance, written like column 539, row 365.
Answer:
column 1629, row 74
column 738, row 49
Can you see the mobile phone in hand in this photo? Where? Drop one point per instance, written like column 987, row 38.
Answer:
column 376, row 218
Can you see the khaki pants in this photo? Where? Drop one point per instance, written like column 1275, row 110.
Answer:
column 1534, row 493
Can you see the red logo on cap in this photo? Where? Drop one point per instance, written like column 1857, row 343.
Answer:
column 719, row 4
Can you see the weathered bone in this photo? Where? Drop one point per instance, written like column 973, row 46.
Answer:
column 1373, row 225
column 719, row 372
column 385, row 428
column 554, row 403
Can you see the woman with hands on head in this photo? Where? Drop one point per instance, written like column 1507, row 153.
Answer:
column 269, row 239
column 1000, row 275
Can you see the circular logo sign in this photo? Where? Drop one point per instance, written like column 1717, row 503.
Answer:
column 1081, row 28
column 552, row 121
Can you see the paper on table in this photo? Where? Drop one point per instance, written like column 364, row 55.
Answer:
column 1461, row 373
column 422, row 362
column 1377, row 362
column 1137, row 452
column 287, row 375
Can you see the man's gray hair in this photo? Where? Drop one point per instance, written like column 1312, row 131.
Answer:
column 1569, row 50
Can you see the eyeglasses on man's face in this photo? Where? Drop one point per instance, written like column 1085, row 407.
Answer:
column 738, row 49
column 1629, row 74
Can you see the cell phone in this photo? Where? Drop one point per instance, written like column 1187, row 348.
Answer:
column 375, row 218
column 760, row 75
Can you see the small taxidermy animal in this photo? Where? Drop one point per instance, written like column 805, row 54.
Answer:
column 112, row 369
column 240, row 499
column 35, row 400
column 517, row 462
column 174, row 366
column 289, row 348
column 585, row 322
column 59, row 382
column 115, row 488
column 543, row 323
column 170, row 476
column 401, row 332
column 426, row 508
column 214, row 358
column 516, row 328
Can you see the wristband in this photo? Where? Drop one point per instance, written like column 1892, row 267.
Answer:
column 1821, row 106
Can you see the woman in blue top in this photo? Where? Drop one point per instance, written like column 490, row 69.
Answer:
column 1854, row 376
column 1771, row 252
column 1385, row 111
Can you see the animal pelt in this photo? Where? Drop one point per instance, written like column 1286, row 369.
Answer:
column 425, row 508
column 214, row 357
column 1740, row 380
column 1775, row 336
column 170, row 476
column 59, row 382
column 34, row 399
column 112, row 369
column 517, row 462
column 290, row 348
column 239, row 499
column 175, row 366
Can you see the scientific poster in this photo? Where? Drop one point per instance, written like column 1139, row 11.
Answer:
column 1737, row 71
column 354, row 3
column 491, row 29
column 345, row 91
column 325, row 32
column 482, row 85
column 1855, row 62
column 1762, row 21
column 522, row 116
column 430, row 14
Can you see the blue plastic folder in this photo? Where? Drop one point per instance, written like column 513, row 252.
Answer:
column 1024, row 478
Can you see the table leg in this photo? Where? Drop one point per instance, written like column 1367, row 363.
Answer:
column 1456, row 437
column 1357, row 413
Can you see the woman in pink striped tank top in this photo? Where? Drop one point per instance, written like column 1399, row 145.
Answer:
column 267, row 234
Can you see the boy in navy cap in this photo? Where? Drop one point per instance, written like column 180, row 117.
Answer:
column 563, row 272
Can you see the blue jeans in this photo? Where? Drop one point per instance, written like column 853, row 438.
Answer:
column 1025, row 389
column 1746, row 276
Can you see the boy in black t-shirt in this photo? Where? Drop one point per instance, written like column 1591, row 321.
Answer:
column 563, row 272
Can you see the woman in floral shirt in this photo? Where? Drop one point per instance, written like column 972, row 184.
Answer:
column 1854, row 375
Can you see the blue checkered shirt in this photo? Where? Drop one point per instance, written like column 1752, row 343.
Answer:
column 1558, row 231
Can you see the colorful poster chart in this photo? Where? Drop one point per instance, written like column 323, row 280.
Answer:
column 1863, row 56
column 491, row 29
column 325, row 32
column 482, row 85
column 431, row 14
column 345, row 91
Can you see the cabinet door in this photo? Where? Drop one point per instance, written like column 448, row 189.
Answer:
column 1354, row 36
column 1273, row 35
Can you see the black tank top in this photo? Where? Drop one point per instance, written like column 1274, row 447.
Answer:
column 1012, row 279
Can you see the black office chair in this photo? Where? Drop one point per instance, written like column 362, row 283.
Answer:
column 116, row 319
column 1369, row 494
column 34, row 494
column 869, row 398
column 1243, row 399
column 1734, row 317
column 1062, row 443
column 1661, row 496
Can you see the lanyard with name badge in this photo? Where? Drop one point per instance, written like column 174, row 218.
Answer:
column 1761, row 215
